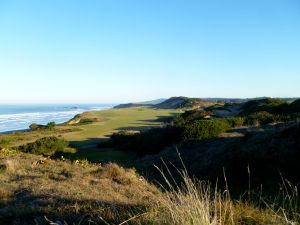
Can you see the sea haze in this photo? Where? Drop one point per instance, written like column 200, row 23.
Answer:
column 19, row 117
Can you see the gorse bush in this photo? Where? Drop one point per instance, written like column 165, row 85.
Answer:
column 84, row 121
column 253, row 119
column 262, row 118
column 191, row 115
column 47, row 146
column 233, row 122
column 50, row 125
column 148, row 142
column 120, row 138
column 34, row 126
column 271, row 105
column 204, row 129
column 178, row 120
column 123, row 137
column 295, row 106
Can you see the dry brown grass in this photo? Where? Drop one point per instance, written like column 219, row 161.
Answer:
column 36, row 190
column 196, row 203
column 34, row 186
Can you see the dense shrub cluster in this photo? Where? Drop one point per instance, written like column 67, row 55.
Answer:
column 295, row 106
column 49, row 126
column 253, row 119
column 84, row 121
column 270, row 105
column 234, row 122
column 191, row 115
column 148, row 142
column 34, row 126
column 261, row 118
column 123, row 137
column 47, row 146
column 204, row 129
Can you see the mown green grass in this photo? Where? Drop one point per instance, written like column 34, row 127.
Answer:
column 85, row 138
column 110, row 121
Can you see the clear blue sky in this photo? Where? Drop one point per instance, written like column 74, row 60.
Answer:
column 63, row 51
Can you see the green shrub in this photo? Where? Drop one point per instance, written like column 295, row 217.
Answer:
column 191, row 115
column 263, row 118
column 147, row 142
column 84, row 121
column 154, row 140
column 270, row 105
column 251, row 121
column 122, row 137
column 179, row 120
column 34, row 126
column 47, row 146
column 295, row 106
column 234, row 121
column 204, row 129
column 50, row 125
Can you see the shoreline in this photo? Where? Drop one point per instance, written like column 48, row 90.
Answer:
column 15, row 131
column 61, row 123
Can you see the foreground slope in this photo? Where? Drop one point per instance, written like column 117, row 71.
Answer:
column 37, row 190
column 33, row 187
column 269, row 153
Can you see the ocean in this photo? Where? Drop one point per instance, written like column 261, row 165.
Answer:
column 19, row 117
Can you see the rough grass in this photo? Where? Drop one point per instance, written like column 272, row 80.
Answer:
column 34, row 186
column 195, row 202
column 36, row 190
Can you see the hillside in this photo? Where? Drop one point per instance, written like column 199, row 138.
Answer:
column 39, row 190
column 183, row 103
column 34, row 189
column 171, row 103
column 254, row 107
column 153, row 102
column 271, row 105
column 269, row 151
column 137, row 104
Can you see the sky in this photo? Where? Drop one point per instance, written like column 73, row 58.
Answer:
column 111, row 51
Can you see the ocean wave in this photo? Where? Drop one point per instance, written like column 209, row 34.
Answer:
column 22, row 120
column 99, row 108
column 18, row 116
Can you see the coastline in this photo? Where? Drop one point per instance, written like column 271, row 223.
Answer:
column 45, row 122
column 15, row 131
